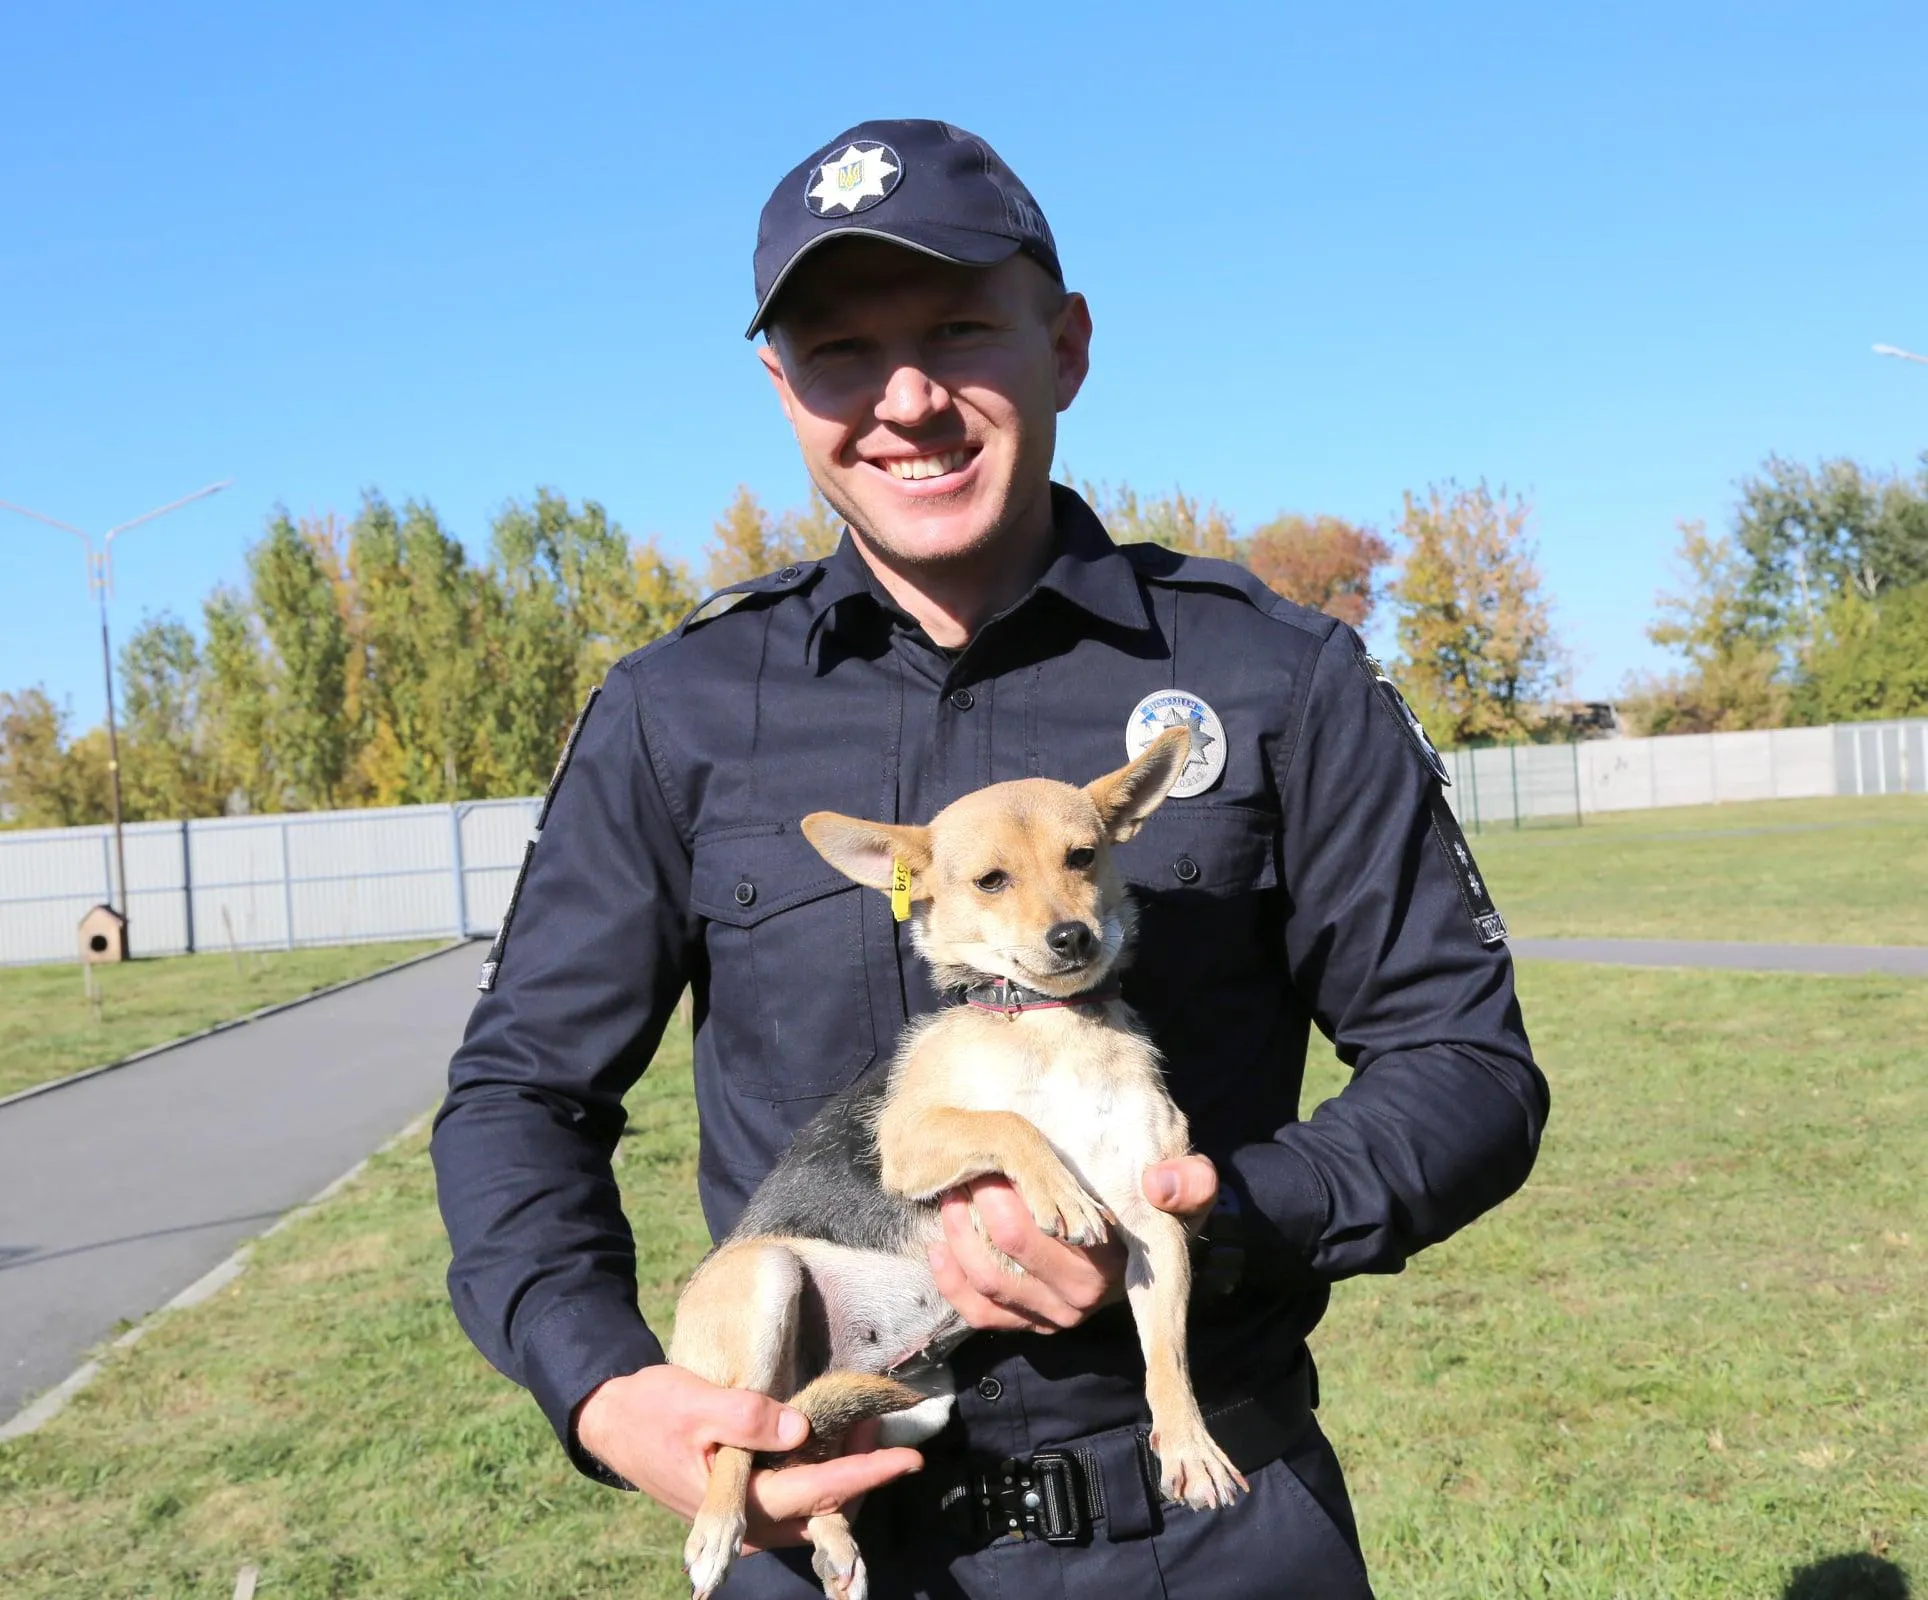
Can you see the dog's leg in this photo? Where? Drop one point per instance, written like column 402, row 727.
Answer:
column 836, row 1560
column 736, row 1326
column 931, row 1149
column 1158, row 1281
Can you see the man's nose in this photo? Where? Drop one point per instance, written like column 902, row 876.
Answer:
column 1072, row 941
column 911, row 396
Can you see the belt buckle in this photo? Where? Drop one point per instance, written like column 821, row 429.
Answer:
column 1034, row 1499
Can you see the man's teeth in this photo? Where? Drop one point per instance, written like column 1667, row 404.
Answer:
column 928, row 466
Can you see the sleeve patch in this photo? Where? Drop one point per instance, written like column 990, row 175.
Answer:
column 1409, row 724
column 1473, row 893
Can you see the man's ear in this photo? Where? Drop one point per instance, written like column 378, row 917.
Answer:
column 866, row 851
column 1126, row 797
column 772, row 361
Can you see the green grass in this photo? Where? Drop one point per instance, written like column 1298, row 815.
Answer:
column 1683, row 1362
column 50, row 1027
column 1787, row 871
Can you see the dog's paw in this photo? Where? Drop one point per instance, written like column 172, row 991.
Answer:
column 1063, row 1209
column 1194, row 1472
column 837, row 1562
column 709, row 1551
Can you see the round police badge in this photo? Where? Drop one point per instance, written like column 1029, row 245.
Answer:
column 1174, row 708
column 854, row 179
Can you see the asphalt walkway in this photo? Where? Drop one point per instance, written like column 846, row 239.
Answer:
column 118, row 1191
column 1830, row 960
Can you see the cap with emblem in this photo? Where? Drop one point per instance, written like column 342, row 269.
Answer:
column 925, row 185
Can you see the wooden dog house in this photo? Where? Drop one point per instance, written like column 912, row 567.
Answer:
column 103, row 936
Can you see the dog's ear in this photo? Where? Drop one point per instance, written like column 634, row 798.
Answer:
column 1126, row 797
column 866, row 851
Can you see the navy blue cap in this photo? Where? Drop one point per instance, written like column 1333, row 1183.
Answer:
column 925, row 185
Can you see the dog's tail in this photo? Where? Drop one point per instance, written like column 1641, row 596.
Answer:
column 835, row 1403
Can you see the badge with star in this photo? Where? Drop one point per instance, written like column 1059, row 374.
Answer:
column 1175, row 708
column 854, row 179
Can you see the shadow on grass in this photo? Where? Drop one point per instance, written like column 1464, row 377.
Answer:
column 1851, row 1577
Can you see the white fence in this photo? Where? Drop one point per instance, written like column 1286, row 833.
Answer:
column 1511, row 784
column 273, row 882
column 411, row 872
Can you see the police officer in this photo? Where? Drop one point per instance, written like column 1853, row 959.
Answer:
column 976, row 624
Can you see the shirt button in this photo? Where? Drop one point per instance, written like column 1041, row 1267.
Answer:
column 745, row 893
column 1185, row 869
column 989, row 1388
column 963, row 699
column 788, row 575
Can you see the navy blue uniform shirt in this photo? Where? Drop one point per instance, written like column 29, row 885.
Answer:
column 1313, row 884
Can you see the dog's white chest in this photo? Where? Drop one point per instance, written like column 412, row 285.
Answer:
column 1104, row 1110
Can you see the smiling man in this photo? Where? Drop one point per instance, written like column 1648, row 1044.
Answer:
column 976, row 625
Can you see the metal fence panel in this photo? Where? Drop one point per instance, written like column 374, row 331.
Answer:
column 419, row 871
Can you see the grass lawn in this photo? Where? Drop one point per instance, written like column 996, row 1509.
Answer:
column 50, row 1028
column 1847, row 871
column 1685, row 1361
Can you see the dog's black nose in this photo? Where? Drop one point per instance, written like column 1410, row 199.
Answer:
column 1071, row 940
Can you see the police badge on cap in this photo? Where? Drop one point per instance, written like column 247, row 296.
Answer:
column 854, row 179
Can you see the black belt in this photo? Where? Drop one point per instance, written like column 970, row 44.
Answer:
column 1058, row 1495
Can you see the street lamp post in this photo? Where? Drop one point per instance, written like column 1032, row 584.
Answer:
column 1905, row 355
column 100, row 578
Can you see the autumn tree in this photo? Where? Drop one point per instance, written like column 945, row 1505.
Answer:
column 746, row 541
column 1474, row 628
column 1178, row 521
column 1322, row 562
column 235, row 698
column 308, row 647
column 1731, row 650
column 46, row 780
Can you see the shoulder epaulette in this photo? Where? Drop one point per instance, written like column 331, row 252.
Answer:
column 785, row 580
column 1159, row 565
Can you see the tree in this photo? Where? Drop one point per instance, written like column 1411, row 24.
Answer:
column 1733, row 676
column 1871, row 659
column 166, row 766
column 46, row 782
column 1475, row 630
column 1321, row 562
column 746, row 542
column 236, row 699
column 295, row 600
column 1813, row 534
column 1177, row 521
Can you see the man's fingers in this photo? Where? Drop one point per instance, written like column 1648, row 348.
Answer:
column 1075, row 1277
column 787, row 1494
column 1182, row 1186
column 977, row 1310
column 753, row 1421
column 1036, row 1294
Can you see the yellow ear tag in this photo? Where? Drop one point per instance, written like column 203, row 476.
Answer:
column 899, row 890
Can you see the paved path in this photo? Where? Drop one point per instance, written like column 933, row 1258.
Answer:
column 1833, row 960
column 119, row 1191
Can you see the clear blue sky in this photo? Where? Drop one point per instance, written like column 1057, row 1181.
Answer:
column 1610, row 256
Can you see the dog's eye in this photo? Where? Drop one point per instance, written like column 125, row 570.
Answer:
column 994, row 880
column 1081, row 858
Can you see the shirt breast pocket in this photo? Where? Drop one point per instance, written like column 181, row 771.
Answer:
column 789, row 995
column 1210, row 961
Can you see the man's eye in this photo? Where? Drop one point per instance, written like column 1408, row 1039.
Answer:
column 961, row 329
column 830, row 349
column 1081, row 858
column 994, row 880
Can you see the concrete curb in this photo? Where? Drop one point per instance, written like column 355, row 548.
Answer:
column 1733, row 955
column 39, row 1412
column 222, row 1027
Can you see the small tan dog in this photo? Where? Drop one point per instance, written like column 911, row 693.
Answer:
column 823, row 1295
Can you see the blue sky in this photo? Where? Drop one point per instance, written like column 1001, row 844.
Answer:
column 1609, row 256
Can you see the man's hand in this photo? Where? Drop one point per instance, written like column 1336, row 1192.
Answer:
column 659, row 1428
column 1061, row 1284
